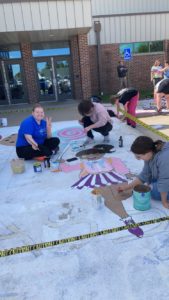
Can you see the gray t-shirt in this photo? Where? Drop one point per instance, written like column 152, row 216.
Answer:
column 157, row 169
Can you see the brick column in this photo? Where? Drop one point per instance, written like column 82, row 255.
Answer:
column 30, row 73
column 76, row 68
column 84, row 66
column 166, row 50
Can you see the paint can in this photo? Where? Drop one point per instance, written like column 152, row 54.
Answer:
column 37, row 167
column 142, row 197
column 4, row 122
column 18, row 165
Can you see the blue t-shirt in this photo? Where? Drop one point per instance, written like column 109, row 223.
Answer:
column 166, row 74
column 30, row 126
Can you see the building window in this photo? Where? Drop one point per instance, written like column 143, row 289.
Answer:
column 156, row 46
column 10, row 52
column 50, row 49
column 126, row 46
column 143, row 47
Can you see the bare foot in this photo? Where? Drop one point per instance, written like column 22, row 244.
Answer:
column 166, row 204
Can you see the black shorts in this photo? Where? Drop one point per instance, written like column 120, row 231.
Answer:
column 163, row 86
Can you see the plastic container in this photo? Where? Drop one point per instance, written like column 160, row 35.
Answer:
column 142, row 197
column 18, row 165
column 97, row 200
column 37, row 167
column 4, row 122
column 54, row 166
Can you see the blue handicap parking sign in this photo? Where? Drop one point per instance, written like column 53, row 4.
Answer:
column 127, row 54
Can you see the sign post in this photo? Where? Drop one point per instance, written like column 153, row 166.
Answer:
column 127, row 54
column 127, row 57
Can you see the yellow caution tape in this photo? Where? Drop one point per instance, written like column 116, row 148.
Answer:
column 29, row 248
column 148, row 127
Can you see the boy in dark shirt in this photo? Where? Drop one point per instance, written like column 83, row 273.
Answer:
column 122, row 72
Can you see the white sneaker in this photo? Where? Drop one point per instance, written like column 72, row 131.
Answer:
column 106, row 139
column 88, row 141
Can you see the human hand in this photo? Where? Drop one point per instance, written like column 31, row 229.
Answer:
column 123, row 118
column 122, row 188
column 86, row 129
column 35, row 147
column 80, row 122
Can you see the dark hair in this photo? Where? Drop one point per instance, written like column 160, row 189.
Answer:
column 90, row 151
column 84, row 107
column 37, row 105
column 144, row 144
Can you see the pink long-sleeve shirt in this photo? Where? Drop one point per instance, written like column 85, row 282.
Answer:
column 100, row 115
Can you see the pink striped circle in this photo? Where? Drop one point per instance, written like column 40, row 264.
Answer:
column 71, row 133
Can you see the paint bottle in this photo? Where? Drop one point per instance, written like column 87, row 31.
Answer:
column 120, row 142
column 99, row 201
column 47, row 162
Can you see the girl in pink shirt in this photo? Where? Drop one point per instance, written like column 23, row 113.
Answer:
column 95, row 117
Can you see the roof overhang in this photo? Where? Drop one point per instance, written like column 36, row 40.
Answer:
column 7, row 38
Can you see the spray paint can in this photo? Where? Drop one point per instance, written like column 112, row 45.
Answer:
column 120, row 142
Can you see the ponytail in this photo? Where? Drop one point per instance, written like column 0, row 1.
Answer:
column 158, row 145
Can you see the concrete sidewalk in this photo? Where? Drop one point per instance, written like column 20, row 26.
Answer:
column 65, row 111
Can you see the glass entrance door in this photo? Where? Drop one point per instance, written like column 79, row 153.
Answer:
column 3, row 96
column 45, row 80
column 63, row 78
column 16, row 82
column 54, row 78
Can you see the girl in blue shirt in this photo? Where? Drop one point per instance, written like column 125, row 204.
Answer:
column 35, row 136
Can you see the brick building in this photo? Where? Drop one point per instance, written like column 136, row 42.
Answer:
column 63, row 49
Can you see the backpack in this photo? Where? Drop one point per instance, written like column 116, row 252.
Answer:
column 96, row 99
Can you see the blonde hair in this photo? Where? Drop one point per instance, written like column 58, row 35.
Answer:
column 113, row 98
column 37, row 105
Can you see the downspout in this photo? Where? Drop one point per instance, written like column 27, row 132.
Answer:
column 97, row 29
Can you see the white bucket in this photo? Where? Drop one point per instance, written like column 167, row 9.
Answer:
column 4, row 122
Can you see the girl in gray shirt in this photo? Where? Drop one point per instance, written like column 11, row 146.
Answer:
column 156, row 167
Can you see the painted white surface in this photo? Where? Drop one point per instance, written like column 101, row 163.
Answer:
column 45, row 15
column 42, row 207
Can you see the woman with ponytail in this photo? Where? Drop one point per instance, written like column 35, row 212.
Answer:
column 156, row 167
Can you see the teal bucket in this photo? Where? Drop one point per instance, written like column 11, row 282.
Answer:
column 141, row 197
